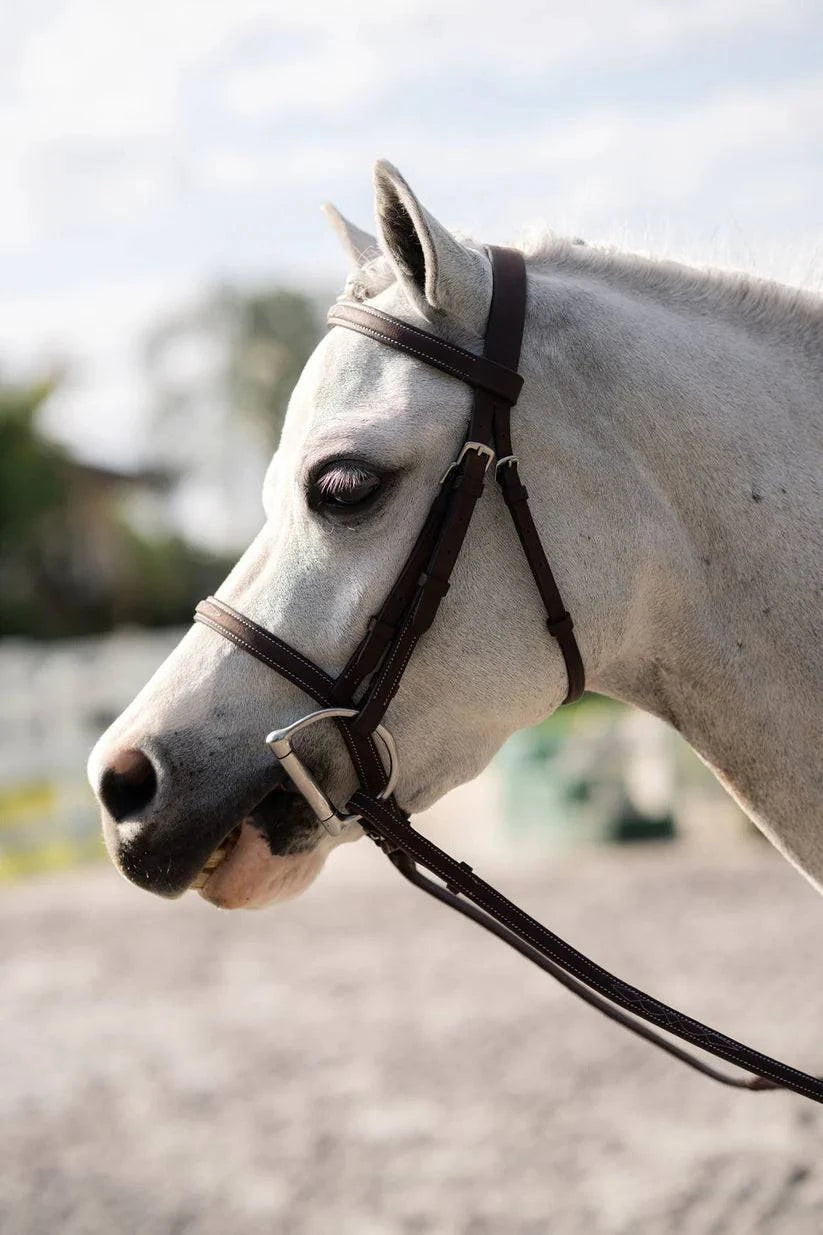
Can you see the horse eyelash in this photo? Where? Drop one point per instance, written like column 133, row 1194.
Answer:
column 342, row 479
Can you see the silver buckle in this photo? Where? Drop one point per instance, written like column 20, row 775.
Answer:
column 280, row 742
column 506, row 461
column 480, row 448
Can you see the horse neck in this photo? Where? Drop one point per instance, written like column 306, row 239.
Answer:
column 681, row 441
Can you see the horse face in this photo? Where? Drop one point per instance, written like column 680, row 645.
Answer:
column 190, row 791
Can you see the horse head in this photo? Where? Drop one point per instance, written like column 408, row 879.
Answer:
column 190, row 792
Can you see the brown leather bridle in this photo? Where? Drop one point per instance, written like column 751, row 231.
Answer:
column 357, row 699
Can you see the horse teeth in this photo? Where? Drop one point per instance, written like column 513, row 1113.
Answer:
column 213, row 860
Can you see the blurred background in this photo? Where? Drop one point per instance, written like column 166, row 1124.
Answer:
column 351, row 1063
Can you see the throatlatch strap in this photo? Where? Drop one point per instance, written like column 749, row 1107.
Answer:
column 558, row 620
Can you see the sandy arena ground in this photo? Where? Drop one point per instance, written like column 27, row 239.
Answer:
column 358, row 1063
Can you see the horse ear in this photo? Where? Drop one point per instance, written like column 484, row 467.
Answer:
column 360, row 246
column 436, row 270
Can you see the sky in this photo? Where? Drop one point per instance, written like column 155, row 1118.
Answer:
column 152, row 150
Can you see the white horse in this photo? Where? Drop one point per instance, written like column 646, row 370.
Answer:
column 669, row 432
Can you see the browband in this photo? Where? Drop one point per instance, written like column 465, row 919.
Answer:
column 476, row 371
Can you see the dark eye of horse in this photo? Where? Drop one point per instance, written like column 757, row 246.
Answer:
column 344, row 485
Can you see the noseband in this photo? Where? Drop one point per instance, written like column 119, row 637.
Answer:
column 357, row 699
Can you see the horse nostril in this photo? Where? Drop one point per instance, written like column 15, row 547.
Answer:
column 128, row 784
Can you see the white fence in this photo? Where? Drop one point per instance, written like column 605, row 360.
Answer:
column 55, row 701
column 56, row 698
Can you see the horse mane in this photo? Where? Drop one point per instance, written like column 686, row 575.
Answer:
column 757, row 300
column 760, row 302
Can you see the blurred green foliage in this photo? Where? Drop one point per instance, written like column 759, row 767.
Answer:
column 34, row 495
column 34, row 838
column 162, row 578
column 70, row 562
column 73, row 558
column 564, row 779
column 273, row 334
column 33, row 482
column 253, row 343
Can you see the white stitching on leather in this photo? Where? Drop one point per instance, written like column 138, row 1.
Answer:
column 259, row 630
column 405, row 347
column 240, row 642
column 458, row 351
column 506, row 907
column 496, row 389
column 243, row 643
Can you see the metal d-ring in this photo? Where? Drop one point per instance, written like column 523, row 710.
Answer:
column 280, row 742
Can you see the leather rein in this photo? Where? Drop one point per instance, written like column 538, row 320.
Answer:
column 358, row 698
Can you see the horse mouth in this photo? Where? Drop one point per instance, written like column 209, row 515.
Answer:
column 216, row 858
column 271, row 854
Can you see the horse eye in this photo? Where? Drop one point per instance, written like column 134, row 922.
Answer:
column 344, row 484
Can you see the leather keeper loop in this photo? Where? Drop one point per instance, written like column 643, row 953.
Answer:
column 558, row 627
column 432, row 585
column 380, row 629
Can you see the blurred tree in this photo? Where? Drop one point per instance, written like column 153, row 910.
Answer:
column 251, row 344
column 222, row 372
column 275, row 331
column 71, row 562
column 34, row 492
column 162, row 578
column 74, row 555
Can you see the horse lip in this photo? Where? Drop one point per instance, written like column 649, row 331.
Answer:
column 276, row 850
column 169, row 866
column 284, row 820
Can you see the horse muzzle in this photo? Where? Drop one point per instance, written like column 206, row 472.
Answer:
column 161, row 851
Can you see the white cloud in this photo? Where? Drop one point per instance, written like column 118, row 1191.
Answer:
column 591, row 168
column 182, row 137
column 341, row 59
column 101, row 111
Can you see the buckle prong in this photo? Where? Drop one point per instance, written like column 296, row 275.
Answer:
column 505, row 461
column 479, row 448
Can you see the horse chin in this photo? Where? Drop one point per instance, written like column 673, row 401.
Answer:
column 251, row 876
column 272, row 855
